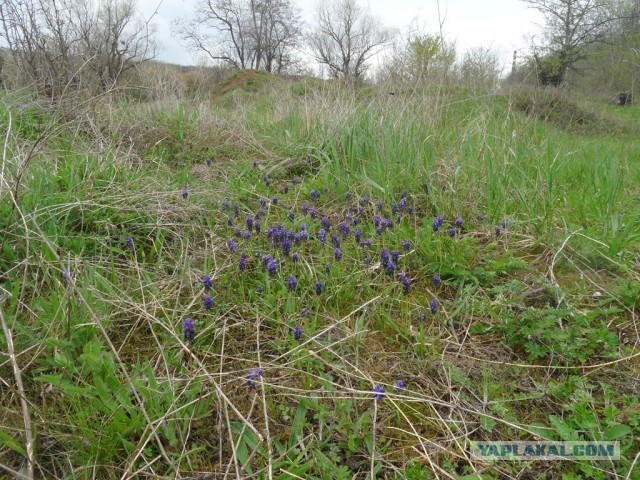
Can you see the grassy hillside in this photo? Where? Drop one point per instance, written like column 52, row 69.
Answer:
column 372, row 282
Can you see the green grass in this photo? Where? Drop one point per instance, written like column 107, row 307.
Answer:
column 535, row 335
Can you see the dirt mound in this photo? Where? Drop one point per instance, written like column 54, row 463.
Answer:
column 247, row 80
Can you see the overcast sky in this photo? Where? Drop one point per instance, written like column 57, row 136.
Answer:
column 502, row 25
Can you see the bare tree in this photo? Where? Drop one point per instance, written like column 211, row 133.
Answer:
column 571, row 26
column 66, row 44
column 345, row 37
column 261, row 34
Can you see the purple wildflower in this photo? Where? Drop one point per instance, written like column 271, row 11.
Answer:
column 319, row 286
column 292, row 215
column 297, row 332
column 274, row 200
column 238, row 233
column 236, row 209
column 313, row 212
column 314, row 195
column 434, row 306
column 322, row 236
column 440, row 220
column 249, row 220
column 255, row 164
column 260, row 290
column 395, row 256
column 436, row 280
column 272, row 267
column 225, row 205
column 257, row 224
column 399, row 386
column 304, row 208
column 344, row 229
column 232, row 244
column 326, row 224
column 207, row 161
column 286, row 188
column 459, row 222
column 286, row 247
column 207, row 283
column 376, row 221
column 295, row 257
column 452, row 232
column 208, row 302
column 498, row 231
column 189, row 329
column 242, row 263
column 384, row 257
column 247, row 235
column 293, row 283
column 129, row 242
column 391, row 267
column 406, row 283
column 67, row 275
column 185, row 192
column 253, row 376
column 406, row 245
column 263, row 202
column 367, row 261
column 327, row 268
column 335, row 240
column 337, row 254
column 480, row 217
column 435, row 225
column 378, row 392
column 230, row 221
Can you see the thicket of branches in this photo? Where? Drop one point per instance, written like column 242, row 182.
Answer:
column 66, row 45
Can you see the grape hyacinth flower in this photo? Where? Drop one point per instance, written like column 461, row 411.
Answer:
column 189, row 329
column 436, row 280
column 207, row 283
column 319, row 286
column 434, row 306
column 367, row 261
column 230, row 221
column 257, row 224
column 236, row 209
column 242, row 263
column 440, row 220
column 378, row 392
column 406, row 283
column 185, row 192
column 238, row 233
column 129, row 242
column 326, row 224
column 255, row 164
column 293, row 283
column 260, row 290
column 498, row 231
column 232, row 244
column 399, row 386
column 297, row 332
column 274, row 200
column 337, row 254
column 295, row 257
column 452, row 232
column 313, row 212
column 286, row 247
column 327, row 268
column 305, row 208
column 459, row 222
column 286, row 188
column 335, row 240
column 376, row 221
column 435, row 225
column 344, row 229
column 247, row 235
column 208, row 302
column 384, row 257
column 225, row 205
column 263, row 202
column 395, row 256
column 249, row 221
column 305, row 313
column 322, row 237
column 207, row 161
column 348, row 196
column 67, row 275
column 253, row 376
column 292, row 215
column 314, row 195
column 391, row 267
column 480, row 217
column 406, row 245
column 272, row 267
column 358, row 236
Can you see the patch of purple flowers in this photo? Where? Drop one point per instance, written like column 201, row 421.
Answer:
column 189, row 329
